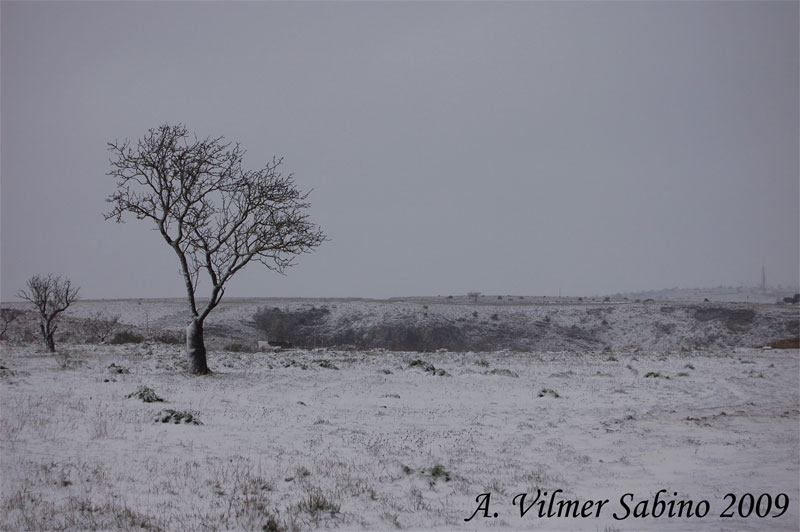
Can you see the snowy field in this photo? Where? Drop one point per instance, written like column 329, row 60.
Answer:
column 378, row 440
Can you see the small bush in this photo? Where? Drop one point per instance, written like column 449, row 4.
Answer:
column 734, row 319
column 430, row 368
column 237, row 347
column 170, row 338
column 327, row 364
column 548, row 392
column 438, row 471
column 272, row 524
column 503, row 372
column 295, row 364
column 99, row 327
column 316, row 502
column 146, row 394
column 119, row 370
column 290, row 327
column 177, row 417
column 126, row 337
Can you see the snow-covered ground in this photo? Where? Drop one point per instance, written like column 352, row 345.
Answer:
column 376, row 440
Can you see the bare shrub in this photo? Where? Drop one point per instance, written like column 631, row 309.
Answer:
column 51, row 295
column 126, row 337
column 733, row 318
column 239, row 347
column 7, row 315
column 292, row 327
column 99, row 328
column 170, row 337
column 64, row 359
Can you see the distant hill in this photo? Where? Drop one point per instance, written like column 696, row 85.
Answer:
column 727, row 294
column 458, row 324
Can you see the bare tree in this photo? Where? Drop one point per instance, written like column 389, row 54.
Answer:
column 7, row 315
column 474, row 296
column 216, row 216
column 99, row 327
column 51, row 295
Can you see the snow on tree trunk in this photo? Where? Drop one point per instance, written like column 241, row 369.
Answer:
column 196, row 349
column 47, row 335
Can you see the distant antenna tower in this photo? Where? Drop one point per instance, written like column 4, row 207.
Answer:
column 763, row 279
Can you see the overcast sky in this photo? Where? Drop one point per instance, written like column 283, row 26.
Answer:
column 511, row 148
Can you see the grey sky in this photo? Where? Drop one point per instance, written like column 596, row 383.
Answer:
column 501, row 147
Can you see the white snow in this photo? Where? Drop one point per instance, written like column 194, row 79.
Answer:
column 287, row 437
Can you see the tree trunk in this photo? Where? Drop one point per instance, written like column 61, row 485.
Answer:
column 47, row 336
column 196, row 348
column 50, row 343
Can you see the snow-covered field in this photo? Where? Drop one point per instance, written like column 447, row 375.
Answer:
column 381, row 440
